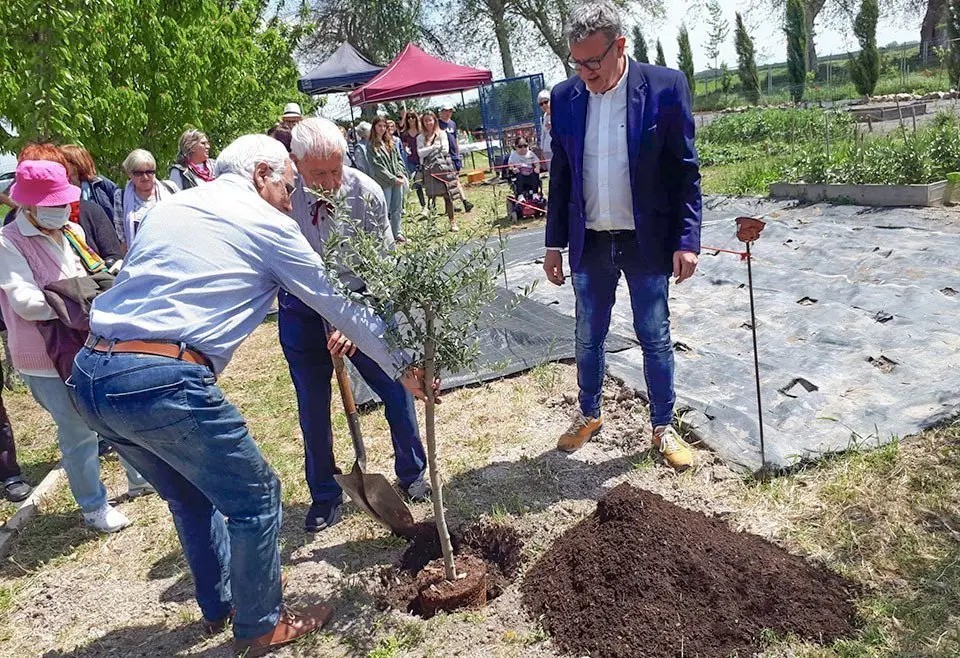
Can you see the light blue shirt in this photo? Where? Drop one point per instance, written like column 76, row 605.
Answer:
column 206, row 267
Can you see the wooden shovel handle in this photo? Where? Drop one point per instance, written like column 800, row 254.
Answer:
column 349, row 405
column 343, row 380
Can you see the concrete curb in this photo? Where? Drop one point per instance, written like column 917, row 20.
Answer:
column 29, row 507
column 864, row 195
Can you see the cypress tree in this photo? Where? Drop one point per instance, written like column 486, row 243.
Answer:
column 685, row 59
column 661, row 59
column 796, row 31
column 865, row 67
column 747, row 63
column 639, row 46
column 953, row 32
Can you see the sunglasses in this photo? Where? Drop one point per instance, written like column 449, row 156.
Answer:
column 144, row 172
column 290, row 187
column 542, row 103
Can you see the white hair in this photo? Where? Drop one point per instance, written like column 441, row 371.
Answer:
column 317, row 138
column 363, row 130
column 544, row 95
column 244, row 154
column 591, row 17
column 139, row 158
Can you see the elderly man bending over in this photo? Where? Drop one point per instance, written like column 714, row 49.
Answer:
column 146, row 380
column 318, row 148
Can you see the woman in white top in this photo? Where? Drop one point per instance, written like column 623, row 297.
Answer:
column 439, row 174
column 38, row 248
column 141, row 194
column 525, row 165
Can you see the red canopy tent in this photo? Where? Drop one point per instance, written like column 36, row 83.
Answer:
column 413, row 73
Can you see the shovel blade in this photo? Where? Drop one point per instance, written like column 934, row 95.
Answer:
column 374, row 494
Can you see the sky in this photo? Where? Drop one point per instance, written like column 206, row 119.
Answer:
column 764, row 26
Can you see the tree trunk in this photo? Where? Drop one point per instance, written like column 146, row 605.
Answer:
column 502, row 32
column 812, row 10
column 936, row 9
column 429, row 376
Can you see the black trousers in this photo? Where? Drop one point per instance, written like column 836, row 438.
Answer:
column 8, row 451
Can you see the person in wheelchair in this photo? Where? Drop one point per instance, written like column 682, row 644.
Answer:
column 523, row 167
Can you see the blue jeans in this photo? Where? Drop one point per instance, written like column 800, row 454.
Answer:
column 394, row 197
column 302, row 338
column 171, row 421
column 605, row 256
column 77, row 442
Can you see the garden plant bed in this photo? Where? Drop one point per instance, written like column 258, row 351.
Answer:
column 496, row 547
column 643, row 577
column 862, row 114
column 863, row 195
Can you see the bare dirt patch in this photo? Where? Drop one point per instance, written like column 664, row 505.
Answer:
column 498, row 547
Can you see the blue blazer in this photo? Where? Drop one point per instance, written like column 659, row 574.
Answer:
column 664, row 169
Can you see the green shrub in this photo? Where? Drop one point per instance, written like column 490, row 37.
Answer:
column 776, row 125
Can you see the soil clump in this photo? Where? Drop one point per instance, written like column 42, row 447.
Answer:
column 644, row 577
column 499, row 547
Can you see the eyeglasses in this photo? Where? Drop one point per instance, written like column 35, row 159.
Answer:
column 290, row 187
column 521, row 146
column 591, row 64
column 144, row 173
column 544, row 102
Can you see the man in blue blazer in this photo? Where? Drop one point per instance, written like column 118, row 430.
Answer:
column 625, row 199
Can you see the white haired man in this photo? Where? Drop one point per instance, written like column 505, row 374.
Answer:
column 146, row 380
column 317, row 147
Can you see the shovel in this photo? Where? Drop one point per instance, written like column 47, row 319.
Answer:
column 370, row 491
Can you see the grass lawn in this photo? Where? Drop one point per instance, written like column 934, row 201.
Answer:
column 490, row 211
column 889, row 519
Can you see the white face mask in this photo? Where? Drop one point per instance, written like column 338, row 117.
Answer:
column 51, row 218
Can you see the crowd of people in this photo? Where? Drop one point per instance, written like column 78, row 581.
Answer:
column 124, row 305
column 420, row 153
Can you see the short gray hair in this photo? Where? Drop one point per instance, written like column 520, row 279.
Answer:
column 244, row 154
column 591, row 17
column 317, row 138
column 139, row 158
column 363, row 129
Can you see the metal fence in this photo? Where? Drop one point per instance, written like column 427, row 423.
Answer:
column 905, row 68
column 509, row 109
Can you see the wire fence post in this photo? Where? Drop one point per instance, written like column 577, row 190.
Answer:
column 826, row 128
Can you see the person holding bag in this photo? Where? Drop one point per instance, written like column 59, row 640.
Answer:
column 41, row 247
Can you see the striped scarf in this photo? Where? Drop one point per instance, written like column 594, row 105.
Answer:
column 92, row 262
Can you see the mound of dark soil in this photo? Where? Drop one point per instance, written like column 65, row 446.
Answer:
column 500, row 547
column 644, row 577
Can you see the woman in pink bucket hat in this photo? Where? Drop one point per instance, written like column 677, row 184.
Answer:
column 39, row 247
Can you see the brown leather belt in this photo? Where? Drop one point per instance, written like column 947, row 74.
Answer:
column 170, row 350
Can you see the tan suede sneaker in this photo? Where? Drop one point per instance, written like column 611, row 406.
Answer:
column 581, row 430
column 291, row 626
column 675, row 450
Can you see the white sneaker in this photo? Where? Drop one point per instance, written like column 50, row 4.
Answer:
column 106, row 519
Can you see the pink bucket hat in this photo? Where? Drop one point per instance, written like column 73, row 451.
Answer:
column 43, row 183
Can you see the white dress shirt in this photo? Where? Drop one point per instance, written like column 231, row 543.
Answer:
column 606, row 166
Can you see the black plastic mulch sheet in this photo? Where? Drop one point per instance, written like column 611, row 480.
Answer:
column 858, row 328
column 527, row 335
